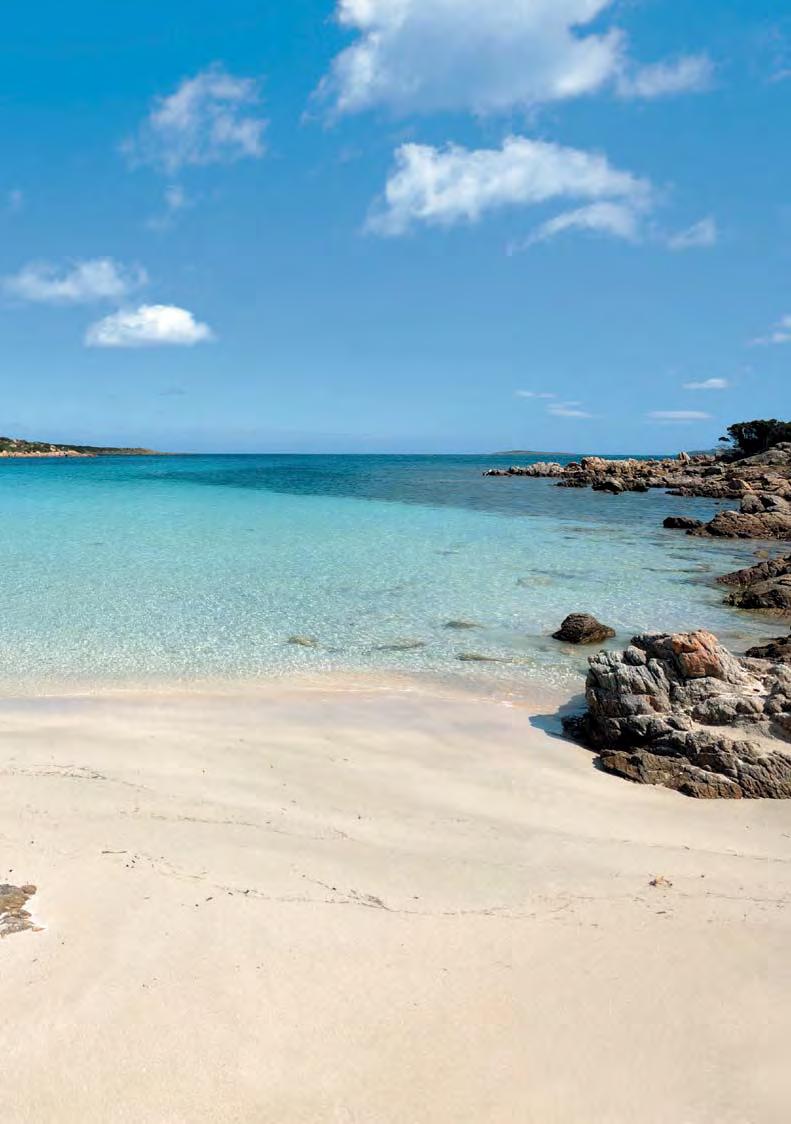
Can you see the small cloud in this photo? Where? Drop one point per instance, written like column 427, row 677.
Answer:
column 533, row 394
column 678, row 415
column 703, row 233
column 708, row 384
column 683, row 75
column 619, row 220
column 781, row 333
column 568, row 410
column 209, row 119
column 150, row 325
column 83, row 282
column 14, row 201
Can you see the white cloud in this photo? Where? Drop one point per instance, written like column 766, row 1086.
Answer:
column 454, row 184
column 85, row 281
column 533, row 394
column 781, row 333
column 620, row 220
column 568, row 410
column 703, row 233
column 707, row 384
column 150, row 325
column 210, row 119
column 678, row 415
column 488, row 56
column 686, row 74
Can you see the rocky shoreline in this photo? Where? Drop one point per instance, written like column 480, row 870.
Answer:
column 18, row 448
column 680, row 710
column 761, row 483
column 49, row 453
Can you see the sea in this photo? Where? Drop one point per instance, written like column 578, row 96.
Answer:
column 191, row 569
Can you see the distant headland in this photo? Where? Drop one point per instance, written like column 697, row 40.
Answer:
column 529, row 453
column 19, row 447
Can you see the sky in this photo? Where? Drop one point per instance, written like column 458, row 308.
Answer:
column 395, row 225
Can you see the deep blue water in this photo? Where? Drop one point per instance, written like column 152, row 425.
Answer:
column 168, row 568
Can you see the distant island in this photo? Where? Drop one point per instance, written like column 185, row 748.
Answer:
column 19, row 447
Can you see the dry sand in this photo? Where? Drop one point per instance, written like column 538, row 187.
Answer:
column 377, row 906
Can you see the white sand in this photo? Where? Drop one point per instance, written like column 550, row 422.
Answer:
column 377, row 907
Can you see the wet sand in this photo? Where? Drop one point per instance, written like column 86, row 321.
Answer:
column 377, row 905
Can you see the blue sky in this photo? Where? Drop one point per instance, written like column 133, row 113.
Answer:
column 395, row 225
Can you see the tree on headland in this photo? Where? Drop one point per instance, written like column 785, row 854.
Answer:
column 747, row 439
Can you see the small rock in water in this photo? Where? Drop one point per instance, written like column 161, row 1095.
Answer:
column 682, row 523
column 582, row 628
column 614, row 487
column 459, row 626
column 477, row 657
column 401, row 646
column 778, row 650
column 303, row 641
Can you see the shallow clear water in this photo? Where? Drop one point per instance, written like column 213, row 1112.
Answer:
column 170, row 568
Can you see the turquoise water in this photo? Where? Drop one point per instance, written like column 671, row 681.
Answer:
column 189, row 568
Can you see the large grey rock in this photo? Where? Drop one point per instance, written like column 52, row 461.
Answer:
column 679, row 710
column 756, row 503
column 779, row 455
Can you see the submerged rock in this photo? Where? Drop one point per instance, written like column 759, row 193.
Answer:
column 680, row 711
column 400, row 646
column 582, row 628
column 461, row 625
column 303, row 641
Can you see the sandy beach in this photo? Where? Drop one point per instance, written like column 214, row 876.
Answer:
column 378, row 903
